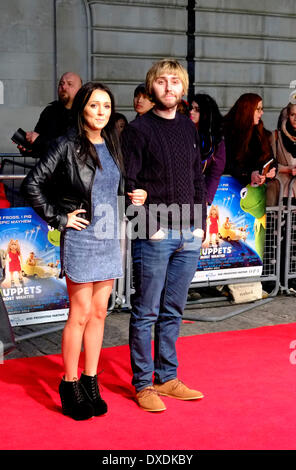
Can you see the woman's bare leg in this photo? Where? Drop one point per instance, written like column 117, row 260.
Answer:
column 94, row 330
column 80, row 297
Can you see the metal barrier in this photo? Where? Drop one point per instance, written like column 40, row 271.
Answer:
column 278, row 217
column 124, row 286
column 289, row 240
column 13, row 169
column 270, row 273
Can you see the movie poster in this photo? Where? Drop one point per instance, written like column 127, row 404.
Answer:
column 236, row 225
column 30, row 253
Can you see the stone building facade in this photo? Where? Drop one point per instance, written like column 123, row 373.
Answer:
column 229, row 46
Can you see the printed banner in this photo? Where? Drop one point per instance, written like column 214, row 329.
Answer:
column 235, row 238
column 30, row 255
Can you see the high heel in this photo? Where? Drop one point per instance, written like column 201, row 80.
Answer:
column 90, row 384
column 74, row 402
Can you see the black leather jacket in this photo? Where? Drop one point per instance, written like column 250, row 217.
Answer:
column 61, row 183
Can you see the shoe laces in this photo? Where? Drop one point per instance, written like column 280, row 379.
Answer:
column 93, row 390
column 78, row 392
column 177, row 383
column 148, row 391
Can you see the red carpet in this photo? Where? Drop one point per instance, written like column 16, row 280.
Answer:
column 246, row 376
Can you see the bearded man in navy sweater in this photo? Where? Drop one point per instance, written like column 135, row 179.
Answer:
column 164, row 182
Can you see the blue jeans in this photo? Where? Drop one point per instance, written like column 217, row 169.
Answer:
column 163, row 271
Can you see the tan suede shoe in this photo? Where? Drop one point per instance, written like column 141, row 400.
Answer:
column 149, row 400
column 176, row 389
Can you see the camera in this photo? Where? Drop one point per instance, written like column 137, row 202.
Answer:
column 19, row 138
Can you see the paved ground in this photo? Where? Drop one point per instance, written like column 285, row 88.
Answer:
column 198, row 319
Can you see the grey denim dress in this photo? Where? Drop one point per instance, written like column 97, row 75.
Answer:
column 93, row 254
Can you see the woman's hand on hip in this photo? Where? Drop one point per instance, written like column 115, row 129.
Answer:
column 74, row 221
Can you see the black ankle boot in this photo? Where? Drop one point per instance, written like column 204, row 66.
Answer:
column 90, row 384
column 74, row 403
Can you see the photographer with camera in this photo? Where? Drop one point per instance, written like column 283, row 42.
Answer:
column 54, row 119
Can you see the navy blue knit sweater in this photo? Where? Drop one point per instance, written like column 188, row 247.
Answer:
column 162, row 156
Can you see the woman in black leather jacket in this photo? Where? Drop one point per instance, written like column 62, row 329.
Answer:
column 74, row 187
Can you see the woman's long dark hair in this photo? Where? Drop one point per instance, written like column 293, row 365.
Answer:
column 210, row 120
column 209, row 124
column 108, row 133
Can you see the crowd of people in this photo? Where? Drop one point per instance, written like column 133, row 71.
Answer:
column 172, row 153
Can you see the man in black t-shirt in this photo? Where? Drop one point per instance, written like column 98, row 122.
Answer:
column 163, row 172
column 55, row 118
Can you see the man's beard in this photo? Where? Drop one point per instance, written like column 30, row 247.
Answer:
column 160, row 105
column 64, row 99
